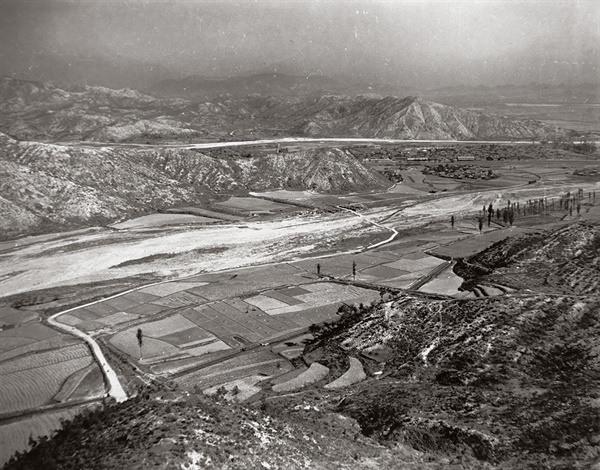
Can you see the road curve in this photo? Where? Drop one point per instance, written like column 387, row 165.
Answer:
column 387, row 240
column 115, row 390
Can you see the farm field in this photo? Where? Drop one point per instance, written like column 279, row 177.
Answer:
column 240, row 389
column 284, row 194
column 22, row 340
column 314, row 373
column 40, row 366
column 255, row 205
column 173, row 336
column 12, row 316
column 442, row 184
column 260, row 363
column 33, row 380
column 247, row 280
column 446, row 283
column 470, row 246
column 205, row 327
column 309, row 297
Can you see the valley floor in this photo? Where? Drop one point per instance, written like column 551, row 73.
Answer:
column 231, row 304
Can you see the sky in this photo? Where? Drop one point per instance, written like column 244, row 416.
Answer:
column 418, row 43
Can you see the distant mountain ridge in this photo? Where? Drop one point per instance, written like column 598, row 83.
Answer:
column 42, row 111
column 92, row 70
column 409, row 118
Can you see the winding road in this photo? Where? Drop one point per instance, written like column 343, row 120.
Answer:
column 375, row 245
column 115, row 389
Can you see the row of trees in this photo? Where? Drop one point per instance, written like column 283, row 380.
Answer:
column 568, row 202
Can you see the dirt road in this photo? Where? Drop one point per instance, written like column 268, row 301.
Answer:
column 115, row 390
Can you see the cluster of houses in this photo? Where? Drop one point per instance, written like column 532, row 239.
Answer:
column 415, row 156
column 460, row 172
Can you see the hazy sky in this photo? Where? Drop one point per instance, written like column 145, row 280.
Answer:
column 417, row 43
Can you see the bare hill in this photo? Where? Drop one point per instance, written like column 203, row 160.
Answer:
column 166, row 430
column 46, row 187
column 565, row 260
column 409, row 118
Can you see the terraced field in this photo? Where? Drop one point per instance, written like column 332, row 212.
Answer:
column 308, row 297
column 263, row 363
column 314, row 373
column 12, row 317
column 353, row 375
column 33, row 386
column 15, row 346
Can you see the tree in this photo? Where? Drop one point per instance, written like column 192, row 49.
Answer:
column 452, row 222
column 511, row 217
column 354, row 269
column 578, row 208
column 318, row 269
column 480, row 224
column 140, row 338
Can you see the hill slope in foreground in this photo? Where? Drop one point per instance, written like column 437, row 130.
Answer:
column 41, row 111
column 47, row 187
column 508, row 382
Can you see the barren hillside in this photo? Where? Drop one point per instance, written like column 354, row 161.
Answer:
column 48, row 187
column 565, row 260
column 513, row 379
column 409, row 118
column 42, row 111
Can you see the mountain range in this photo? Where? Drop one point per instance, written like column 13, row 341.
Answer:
column 42, row 111
column 47, row 185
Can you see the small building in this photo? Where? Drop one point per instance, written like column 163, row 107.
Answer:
column 465, row 158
